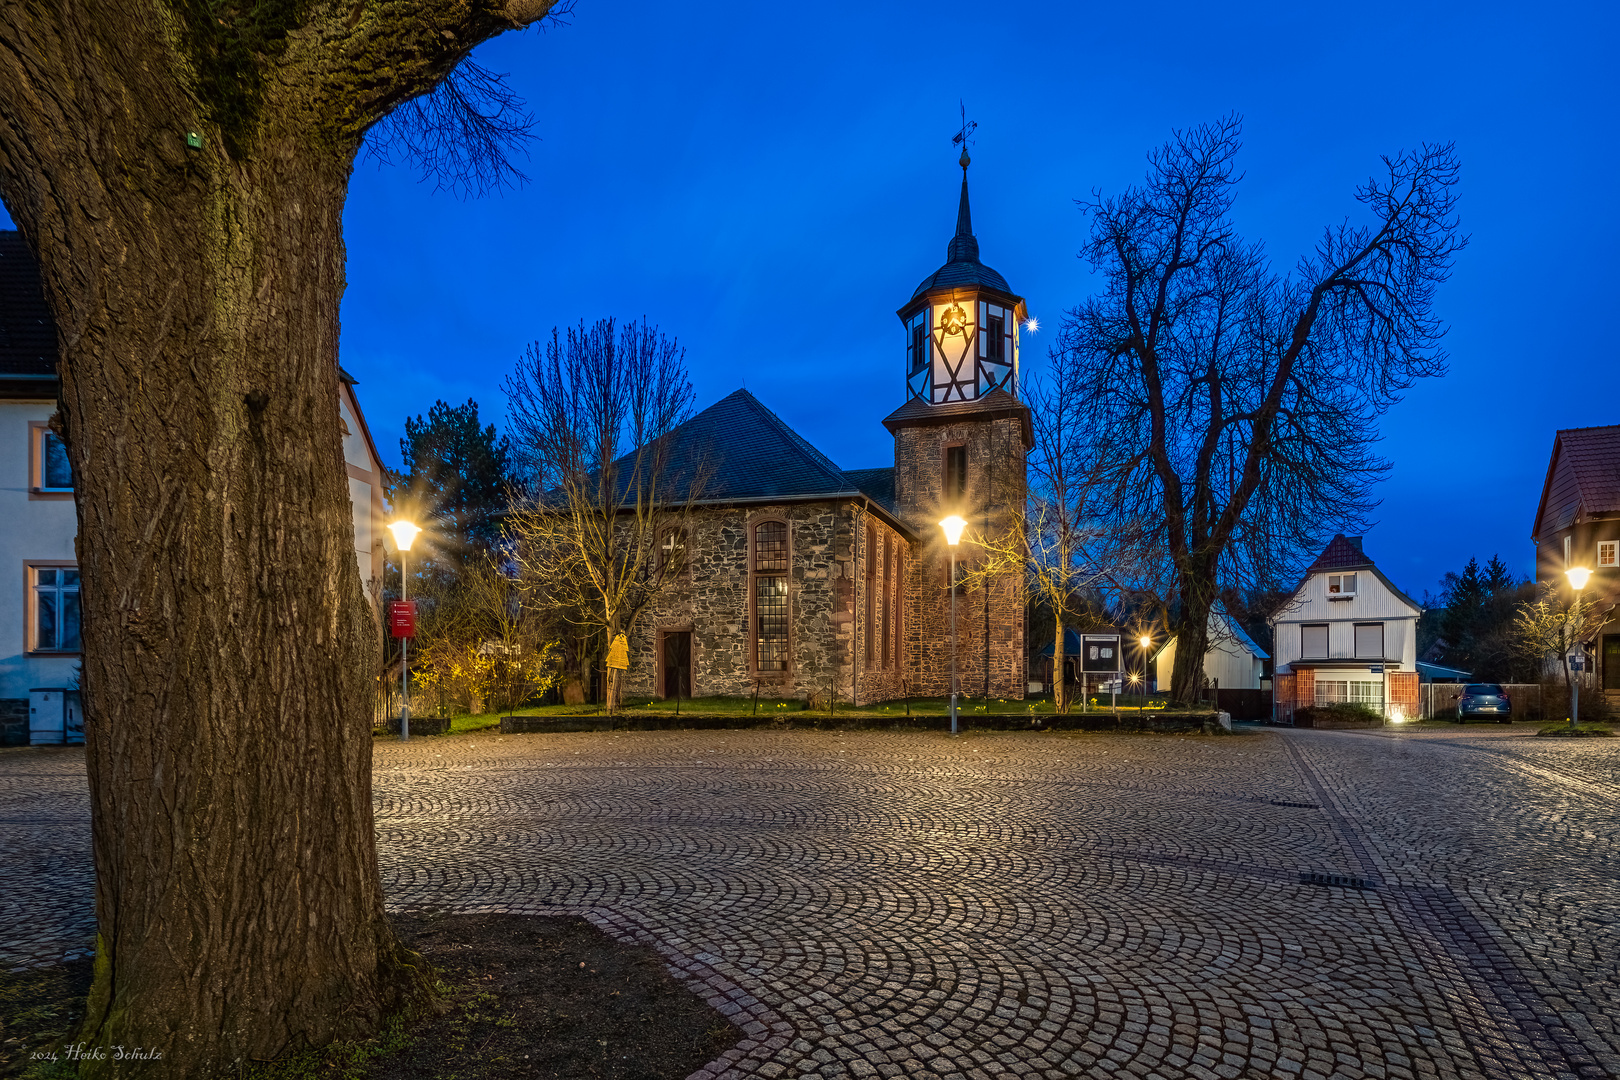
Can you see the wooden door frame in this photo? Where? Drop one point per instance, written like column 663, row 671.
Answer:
column 691, row 662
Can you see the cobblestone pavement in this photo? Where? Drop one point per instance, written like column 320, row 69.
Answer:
column 1019, row 904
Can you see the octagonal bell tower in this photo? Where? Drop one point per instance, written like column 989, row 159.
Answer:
column 960, row 442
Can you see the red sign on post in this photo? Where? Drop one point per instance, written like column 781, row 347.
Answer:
column 402, row 618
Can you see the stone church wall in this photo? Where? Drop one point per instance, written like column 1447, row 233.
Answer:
column 712, row 602
column 879, row 676
column 990, row 617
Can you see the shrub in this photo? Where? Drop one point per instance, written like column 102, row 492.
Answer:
column 1343, row 710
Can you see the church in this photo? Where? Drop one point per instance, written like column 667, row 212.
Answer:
column 801, row 579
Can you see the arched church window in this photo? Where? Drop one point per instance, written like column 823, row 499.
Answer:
column 770, row 622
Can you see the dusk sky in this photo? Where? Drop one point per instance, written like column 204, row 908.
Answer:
column 769, row 182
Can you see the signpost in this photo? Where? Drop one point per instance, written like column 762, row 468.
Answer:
column 618, row 659
column 1099, row 654
column 402, row 625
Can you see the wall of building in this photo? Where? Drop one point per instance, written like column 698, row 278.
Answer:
column 1373, row 602
column 880, row 675
column 38, row 527
column 712, row 603
column 991, row 617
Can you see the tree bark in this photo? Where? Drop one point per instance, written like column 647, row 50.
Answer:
column 1060, row 692
column 228, row 647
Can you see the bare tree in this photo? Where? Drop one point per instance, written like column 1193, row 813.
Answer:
column 1555, row 624
column 1232, row 408
column 605, row 526
column 179, row 172
column 1055, row 544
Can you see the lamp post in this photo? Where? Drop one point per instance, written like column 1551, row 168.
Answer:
column 1146, row 643
column 953, row 527
column 404, row 536
column 1578, row 577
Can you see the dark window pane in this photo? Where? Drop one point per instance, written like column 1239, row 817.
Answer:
column 955, row 472
column 45, row 623
column 770, row 619
column 44, row 577
column 770, row 546
column 70, row 578
column 70, row 621
column 57, row 473
column 919, row 347
column 995, row 331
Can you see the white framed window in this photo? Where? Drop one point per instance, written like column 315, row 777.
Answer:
column 1608, row 552
column 1350, row 691
column 53, row 616
column 48, row 470
column 1341, row 584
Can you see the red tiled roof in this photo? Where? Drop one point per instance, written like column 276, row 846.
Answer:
column 1341, row 553
column 1583, row 476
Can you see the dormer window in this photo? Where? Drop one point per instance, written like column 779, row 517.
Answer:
column 1341, row 585
column 1607, row 553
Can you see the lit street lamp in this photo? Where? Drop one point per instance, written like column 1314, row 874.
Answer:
column 404, row 536
column 1578, row 577
column 953, row 527
column 1146, row 643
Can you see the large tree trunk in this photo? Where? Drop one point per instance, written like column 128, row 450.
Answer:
column 227, row 641
column 228, row 647
column 1192, row 637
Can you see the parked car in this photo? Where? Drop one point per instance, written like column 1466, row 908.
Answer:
column 1484, row 699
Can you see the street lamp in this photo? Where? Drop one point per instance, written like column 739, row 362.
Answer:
column 404, row 536
column 953, row 527
column 1146, row 643
column 1578, row 577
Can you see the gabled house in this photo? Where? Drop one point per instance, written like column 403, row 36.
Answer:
column 1232, row 661
column 39, row 577
column 1577, row 523
column 1347, row 634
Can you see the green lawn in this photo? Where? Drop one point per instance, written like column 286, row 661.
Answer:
column 770, row 706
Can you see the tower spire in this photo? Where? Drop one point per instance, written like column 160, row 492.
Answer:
column 963, row 247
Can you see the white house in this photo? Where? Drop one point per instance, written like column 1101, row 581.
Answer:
column 39, row 578
column 1347, row 634
column 1232, row 661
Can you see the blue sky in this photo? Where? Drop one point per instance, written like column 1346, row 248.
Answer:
column 769, row 182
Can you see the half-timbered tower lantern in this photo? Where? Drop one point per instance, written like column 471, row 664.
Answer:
column 962, row 324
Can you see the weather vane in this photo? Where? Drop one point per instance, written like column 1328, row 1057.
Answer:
column 964, row 136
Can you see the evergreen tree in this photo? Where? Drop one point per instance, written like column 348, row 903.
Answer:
column 455, row 483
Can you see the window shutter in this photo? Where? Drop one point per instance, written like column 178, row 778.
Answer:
column 1315, row 641
column 1370, row 640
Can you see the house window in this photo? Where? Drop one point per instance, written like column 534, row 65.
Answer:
column 955, row 474
column 1350, row 691
column 1341, row 584
column 48, row 468
column 1607, row 552
column 56, row 609
column 1314, row 640
column 1370, row 640
column 770, row 596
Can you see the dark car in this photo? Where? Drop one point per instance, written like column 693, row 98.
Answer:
column 1484, row 699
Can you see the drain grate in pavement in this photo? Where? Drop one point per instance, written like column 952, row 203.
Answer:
column 1298, row 805
column 1343, row 881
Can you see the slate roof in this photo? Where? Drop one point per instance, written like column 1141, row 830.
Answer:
column 27, row 331
column 746, row 453
column 1583, row 478
column 962, row 266
column 875, row 484
column 996, row 404
column 1242, row 637
column 1342, row 553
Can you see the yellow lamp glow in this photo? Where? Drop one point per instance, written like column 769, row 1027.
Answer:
column 1578, row 576
column 953, row 527
column 404, row 534
column 1147, row 642
column 1033, row 324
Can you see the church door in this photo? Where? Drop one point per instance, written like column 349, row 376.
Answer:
column 678, row 664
